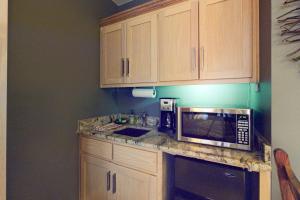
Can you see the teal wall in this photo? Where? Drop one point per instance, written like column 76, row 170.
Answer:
column 212, row 95
column 225, row 95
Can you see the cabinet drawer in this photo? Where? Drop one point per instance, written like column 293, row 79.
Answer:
column 96, row 147
column 136, row 158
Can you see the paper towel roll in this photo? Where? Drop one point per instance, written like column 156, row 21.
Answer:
column 144, row 93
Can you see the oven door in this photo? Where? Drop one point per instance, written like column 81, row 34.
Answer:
column 218, row 127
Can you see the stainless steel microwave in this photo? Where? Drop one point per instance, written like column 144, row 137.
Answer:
column 231, row 128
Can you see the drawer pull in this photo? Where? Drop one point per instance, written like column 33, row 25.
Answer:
column 203, row 57
column 123, row 66
column 193, row 59
column 128, row 67
column 108, row 181
column 114, row 189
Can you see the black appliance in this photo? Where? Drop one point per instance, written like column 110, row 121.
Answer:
column 222, row 127
column 202, row 180
column 168, row 115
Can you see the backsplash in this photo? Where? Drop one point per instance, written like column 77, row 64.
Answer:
column 241, row 95
column 222, row 95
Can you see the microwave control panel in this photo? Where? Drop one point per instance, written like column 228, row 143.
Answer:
column 243, row 129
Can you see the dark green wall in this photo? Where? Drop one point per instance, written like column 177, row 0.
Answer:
column 53, row 76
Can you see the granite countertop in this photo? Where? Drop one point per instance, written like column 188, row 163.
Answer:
column 252, row 161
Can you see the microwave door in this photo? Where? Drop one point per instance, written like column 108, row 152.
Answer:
column 210, row 126
column 194, row 126
column 223, row 130
column 192, row 130
column 217, row 129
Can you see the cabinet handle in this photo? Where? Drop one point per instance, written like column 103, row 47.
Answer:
column 193, row 59
column 108, row 181
column 114, row 189
column 123, row 66
column 127, row 64
column 202, row 57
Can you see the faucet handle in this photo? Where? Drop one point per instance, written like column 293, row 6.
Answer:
column 144, row 114
column 144, row 118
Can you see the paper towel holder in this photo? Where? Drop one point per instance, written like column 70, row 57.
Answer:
column 144, row 92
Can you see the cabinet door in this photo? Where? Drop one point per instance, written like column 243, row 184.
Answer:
column 112, row 54
column 226, row 39
column 178, row 42
column 133, row 185
column 141, row 46
column 95, row 179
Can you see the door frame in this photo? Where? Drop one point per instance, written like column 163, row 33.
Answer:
column 3, row 93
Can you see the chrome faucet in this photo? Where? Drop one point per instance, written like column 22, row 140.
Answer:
column 144, row 116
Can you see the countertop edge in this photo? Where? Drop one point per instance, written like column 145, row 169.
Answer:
column 260, row 166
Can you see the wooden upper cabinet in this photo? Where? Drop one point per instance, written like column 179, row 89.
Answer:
column 178, row 42
column 226, row 39
column 173, row 42
column 95, row 178
column 129, row 51
column 134, row 185
column 112, row 54
column 141, row 49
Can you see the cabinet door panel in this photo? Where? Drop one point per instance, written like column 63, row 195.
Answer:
column 112, row 53
column 141, row 48
column 134, row 185
column 178, row 42
column 226, row 39
column 94, row 178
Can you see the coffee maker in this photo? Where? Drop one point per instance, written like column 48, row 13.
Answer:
column 168, row 115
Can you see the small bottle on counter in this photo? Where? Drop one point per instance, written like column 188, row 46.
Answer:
column 132, row 120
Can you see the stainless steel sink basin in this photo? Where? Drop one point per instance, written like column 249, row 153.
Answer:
column 132, row 132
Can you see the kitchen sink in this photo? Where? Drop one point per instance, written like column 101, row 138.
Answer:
column 132, row 132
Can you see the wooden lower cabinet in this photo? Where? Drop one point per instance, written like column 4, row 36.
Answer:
column 115, row 179
column 95, row 178
column 104, row 177
column 134, row 185
column 102, row 180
